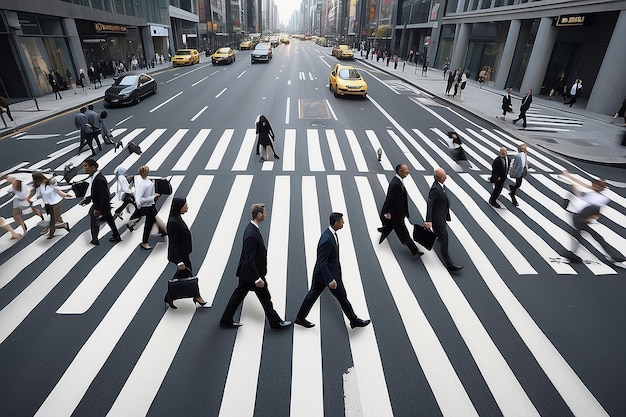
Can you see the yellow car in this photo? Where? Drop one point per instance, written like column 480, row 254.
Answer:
column 223, row 55
column 186, row 57
column 343, row 51
column 245, row 44
column 346, row 80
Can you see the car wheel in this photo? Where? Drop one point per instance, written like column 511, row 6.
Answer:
column 234, row 58
column 154, row 88
column 335, row 93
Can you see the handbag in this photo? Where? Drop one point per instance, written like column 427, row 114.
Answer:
column 424, row 236
column 134, row 148
column 162, row 186
column 182, row 287
column 80, row 188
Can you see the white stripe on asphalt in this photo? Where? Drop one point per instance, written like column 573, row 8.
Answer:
column 220, row 150
column 289, row 150
column 245, row 151
column 166, row 149
column 335, row 150
column 357, row 152
column 384, row 160
column 316, row 162
column 191, row 150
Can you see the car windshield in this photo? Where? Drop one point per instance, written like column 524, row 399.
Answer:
column 262, row 46
column 222, row 51
column 349, row 74
column 183, row 52
column 128, row 80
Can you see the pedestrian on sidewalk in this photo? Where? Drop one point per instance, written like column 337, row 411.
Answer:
column 526, row 101
column 83, row 80
column 559, row 87
column 593, row 200
column 4, row 108
column 94, row 120
column 446, row 70
column 70, row 79
column 451, row 78
column 575, row 92
column 457, row 81
column 620, row 113
column 395, row 62
column 506, row 105
column 52, row 80
column 499, row 169
column 482, row 75
column 518, row 170
column 463, row 83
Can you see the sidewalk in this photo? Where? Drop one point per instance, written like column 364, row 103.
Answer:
column 25, row 113
column 596, row 141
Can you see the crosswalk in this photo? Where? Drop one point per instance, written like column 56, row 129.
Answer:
column 338, row 170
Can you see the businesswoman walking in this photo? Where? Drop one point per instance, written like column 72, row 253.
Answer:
column 145, row 198
column 180, row 245
column 52, row 197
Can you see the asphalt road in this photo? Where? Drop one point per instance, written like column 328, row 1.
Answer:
column 519, row 331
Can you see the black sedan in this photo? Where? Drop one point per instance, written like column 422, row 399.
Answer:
column 129, row 89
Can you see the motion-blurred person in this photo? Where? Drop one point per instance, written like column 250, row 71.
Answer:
column 124, row 192
column 21, row 201
column 145, row 199
column 6, row 226
column 52, row 197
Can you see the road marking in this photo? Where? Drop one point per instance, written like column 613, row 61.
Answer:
column 164, row 151
column 193, row 119
column 316, row 162
column 220, row 150
column 165, row 102
column 191, row 151
column 221, row 92
column 249, row 141
column 198, row 82
column 335, row 150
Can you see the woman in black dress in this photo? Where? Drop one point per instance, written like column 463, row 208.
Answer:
column 266, row 136
column 179, row 245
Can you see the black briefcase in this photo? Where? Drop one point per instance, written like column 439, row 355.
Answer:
column 182, row 285
column 80, row 188
column 133, row 148
column 162, row 186
column 424, row 236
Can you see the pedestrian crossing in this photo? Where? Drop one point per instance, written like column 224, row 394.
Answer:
column 338, row 170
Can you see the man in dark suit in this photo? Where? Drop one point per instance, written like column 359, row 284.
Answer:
column 101, row 200
column 526, row 101
column 327, row 273
column 499, row 169
column 396, row 208
column 506, row 105
column 251, row 271
column 437, row 214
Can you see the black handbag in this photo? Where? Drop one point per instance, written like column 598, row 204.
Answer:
column 182, row 285
column 134, row 148
column 424, row 236
column 162, row 186
column 80, row 188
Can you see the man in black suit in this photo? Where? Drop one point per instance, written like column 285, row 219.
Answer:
column 499, row 169
column 327, row 273
column 437, row 214
column 506, row 105
column 396, row 208
column 251, row 271
column 101, row 200
column 526, row 101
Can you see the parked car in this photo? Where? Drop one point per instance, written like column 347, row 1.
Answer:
column 346, row 80
column 262, row 52
column 186, row 57
column 223, row 55
column 343, row 51
column 130, row 89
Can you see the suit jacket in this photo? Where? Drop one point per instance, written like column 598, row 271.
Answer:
column 253, row 260
column 179, row 245
column 498, row 170
column 438, row 206
column 100, row 196
column 526, row 103
column 518, row 166
column 396, row 202
column 506, row 103
column 327, row 267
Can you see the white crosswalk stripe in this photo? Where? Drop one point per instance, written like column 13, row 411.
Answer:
column 300, row 202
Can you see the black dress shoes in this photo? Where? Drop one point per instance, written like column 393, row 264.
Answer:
column 230, row 325
column 282, row 325
column 304, row 323
column 454, row 267
column 95, row 242
column 495, row 204
column 359, row 323
column 115, row 239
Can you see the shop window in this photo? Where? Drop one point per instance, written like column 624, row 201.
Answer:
column 50, row 26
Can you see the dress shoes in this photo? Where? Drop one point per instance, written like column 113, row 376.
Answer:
column 95, row 242
column 359, row 323
column 304, row 323
column 454, row 267
column 282, row 325
column 115, row 239
column 230, row 325
column 495, row 204
column 514, row 200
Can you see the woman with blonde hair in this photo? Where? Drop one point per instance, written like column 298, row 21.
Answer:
column 21, row 201
column 145, row 199
column 52, row 197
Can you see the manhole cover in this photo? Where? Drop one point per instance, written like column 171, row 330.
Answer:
column 313, row 109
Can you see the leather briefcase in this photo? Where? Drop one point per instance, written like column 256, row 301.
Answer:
column 424, row 236
column 182, row 285
column 162, row 186
column 80, row 188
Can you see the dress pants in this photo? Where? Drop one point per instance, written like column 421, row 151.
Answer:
column 263, row 294
column 497, row 189
column 405, row 237
column 518, row 183
column 150, row 212
column 441, row 230
column 317, row 287
column 108, row 218
column 85, row 139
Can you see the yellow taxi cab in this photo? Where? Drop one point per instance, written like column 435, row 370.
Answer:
column 186, row 57
column 346, row 80
column 245, row 44
column 223, row 55
column 343, row 51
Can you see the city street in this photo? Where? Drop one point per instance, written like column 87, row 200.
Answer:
column 519, row 331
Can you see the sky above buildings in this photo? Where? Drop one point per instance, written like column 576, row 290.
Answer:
column 285, row 8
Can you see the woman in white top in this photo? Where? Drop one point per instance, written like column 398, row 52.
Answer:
column 21, row 201
column 124, row 192
column 145, row 199
column 52, row 197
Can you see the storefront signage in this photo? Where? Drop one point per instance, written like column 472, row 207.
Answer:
column 105, row 27
column 572, row 20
